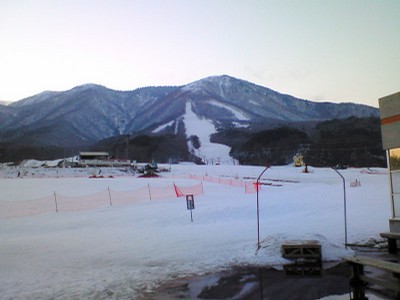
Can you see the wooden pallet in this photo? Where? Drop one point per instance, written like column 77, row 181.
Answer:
column 306, row 269
column 307, row 249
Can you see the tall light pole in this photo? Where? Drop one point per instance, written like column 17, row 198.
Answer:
column 345, row 206
column 258, row 209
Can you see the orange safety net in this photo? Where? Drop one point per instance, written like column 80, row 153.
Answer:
column 227, row 181
column 158, row 193
column 109, row 197
column 61, row 203
column 195, row 177
column 68, row 203
column 10, row 209
column 237, row 182
column 125, row 197
column 189, row 190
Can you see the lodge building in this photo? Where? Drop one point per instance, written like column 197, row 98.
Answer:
column 102, row 159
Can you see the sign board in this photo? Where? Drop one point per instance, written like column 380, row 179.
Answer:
column 190, row 202
column 190, row 205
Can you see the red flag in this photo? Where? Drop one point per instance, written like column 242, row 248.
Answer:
column 252, row 187
column 189, row 190
column 178, row 191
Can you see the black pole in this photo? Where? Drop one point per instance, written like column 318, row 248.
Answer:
column 258, row 209
column 345, row 206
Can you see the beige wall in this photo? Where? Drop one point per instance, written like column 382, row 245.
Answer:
column 389, row 107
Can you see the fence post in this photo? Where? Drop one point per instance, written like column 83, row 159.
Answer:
column 148, row 185
column 109, row 195
column 55, row 200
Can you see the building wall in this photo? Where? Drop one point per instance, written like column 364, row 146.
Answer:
column 389, row 108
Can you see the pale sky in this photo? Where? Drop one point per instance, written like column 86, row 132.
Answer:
column 325, row 50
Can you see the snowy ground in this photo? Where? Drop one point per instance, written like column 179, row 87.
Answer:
column 120, row 251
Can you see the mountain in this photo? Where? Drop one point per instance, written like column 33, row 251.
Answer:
column 6, row 113
column 77, row 117
column 90, row 113
column 227, row 98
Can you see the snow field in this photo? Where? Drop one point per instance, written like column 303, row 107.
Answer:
column 123, row 250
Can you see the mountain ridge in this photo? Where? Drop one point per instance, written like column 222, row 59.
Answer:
column 89, row 113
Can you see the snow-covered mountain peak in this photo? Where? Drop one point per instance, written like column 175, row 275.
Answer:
column 223, row 82
column 88, row 86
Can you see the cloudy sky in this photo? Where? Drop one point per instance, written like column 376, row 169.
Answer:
column 321, row 50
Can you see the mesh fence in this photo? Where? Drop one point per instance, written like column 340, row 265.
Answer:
column 61, row 203
column 249, row 186
column 10, row 209
column 158, row 193
column 68, row 203
column 126, row 197
column 189, row 190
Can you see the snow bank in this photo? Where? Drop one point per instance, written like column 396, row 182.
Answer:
column 33, row 163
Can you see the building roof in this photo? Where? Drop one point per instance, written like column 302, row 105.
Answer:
column 93, row 153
